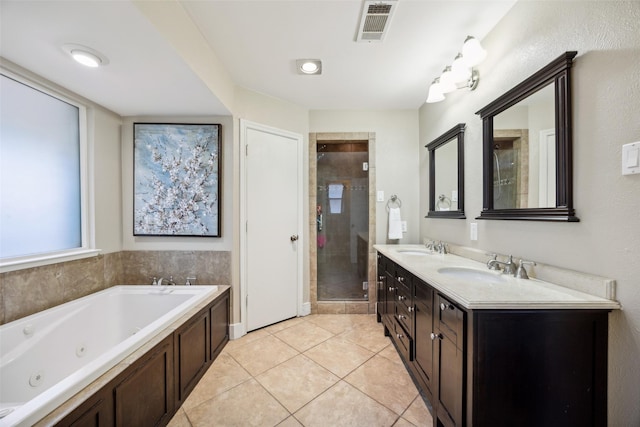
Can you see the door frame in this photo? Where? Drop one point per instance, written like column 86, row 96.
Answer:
column 245, row 126
column 347, row 306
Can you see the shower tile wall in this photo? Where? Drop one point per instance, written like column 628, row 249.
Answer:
column 28, row 291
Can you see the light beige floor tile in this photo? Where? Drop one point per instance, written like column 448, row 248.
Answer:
column 370, row 337
column 418, row 413
column 391, row 353
column 245, row 339
column 394, row 389
column 344, row 405
column 223, row 374
column 285, row 324
column 339, row 355
column 248, row 404
column 297, row 381
column 290, row 422
column 403, row 423
column 336, row 323
column 304, row 336
column 179, row 419
column 262, row 354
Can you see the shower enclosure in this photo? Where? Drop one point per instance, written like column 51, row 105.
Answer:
column 342, row 220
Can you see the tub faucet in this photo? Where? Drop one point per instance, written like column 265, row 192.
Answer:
column 169, row 281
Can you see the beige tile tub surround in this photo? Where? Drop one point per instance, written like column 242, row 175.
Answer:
column 318, row 370
column 28, row 291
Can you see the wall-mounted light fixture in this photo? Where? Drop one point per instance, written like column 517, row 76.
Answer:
column 85, row 55
column 461, row 73
column 309, row 66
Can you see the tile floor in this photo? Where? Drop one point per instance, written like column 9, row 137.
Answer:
column 319, row 370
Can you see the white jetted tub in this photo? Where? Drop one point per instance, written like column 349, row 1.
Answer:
column 49, row 356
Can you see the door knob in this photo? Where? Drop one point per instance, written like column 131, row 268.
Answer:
column 294, row 237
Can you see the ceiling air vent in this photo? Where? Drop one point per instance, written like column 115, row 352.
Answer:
column 375, row 19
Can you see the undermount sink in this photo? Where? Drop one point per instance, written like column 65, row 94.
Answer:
column 413, row 252
column 472, row 274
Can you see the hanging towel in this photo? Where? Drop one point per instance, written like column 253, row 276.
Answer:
column 395, row 224
column 335, row 206
column 335, row 191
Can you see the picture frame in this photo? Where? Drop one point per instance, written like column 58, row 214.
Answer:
column 176, row 176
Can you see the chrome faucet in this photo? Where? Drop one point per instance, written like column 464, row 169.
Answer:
column 509, row 267
column 169, row 281
column 442, row 248
column 430, row 245
column 522, row 272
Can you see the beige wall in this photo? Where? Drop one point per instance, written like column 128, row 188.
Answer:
column 606, row 100
column 396, row 159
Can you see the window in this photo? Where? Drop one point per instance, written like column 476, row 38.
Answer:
column 43, row 179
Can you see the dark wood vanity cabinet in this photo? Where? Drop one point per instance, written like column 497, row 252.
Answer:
column 150, row 391
column 515, row 367
column 396, row 300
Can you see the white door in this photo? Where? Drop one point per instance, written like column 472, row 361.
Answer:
column 271, row 248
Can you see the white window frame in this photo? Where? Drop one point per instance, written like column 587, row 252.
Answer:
column 87, row 212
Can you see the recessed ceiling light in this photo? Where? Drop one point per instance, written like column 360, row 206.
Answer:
column 309, row 66
column 85, row 55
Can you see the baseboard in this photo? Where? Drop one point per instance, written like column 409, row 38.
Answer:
column 236, row 330
column 305, row 309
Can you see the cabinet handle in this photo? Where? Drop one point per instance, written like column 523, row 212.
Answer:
column 391, row 289
column 381, row 278
column 410, row 309
column 401, row 297
column 399, row 336
column 435, row 336
column 401, row 316
column 444, row 306
column 400, row 279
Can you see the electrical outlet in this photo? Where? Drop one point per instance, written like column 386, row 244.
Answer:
column 365, row 286
column 454, row 195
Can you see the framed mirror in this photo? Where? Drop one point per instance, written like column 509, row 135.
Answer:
column 527, row 157
column 446, row 174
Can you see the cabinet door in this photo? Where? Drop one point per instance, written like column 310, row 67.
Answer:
column 219, row 325
column 422, row 336
column 191, row 353
column 95, row 412
column 450, row 387
column 145, row 397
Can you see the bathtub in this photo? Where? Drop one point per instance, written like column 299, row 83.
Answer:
column 49, row 356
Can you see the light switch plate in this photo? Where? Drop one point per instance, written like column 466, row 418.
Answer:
column 473, row 231
column 631, row 158
column 454, row 195
column 380, row 196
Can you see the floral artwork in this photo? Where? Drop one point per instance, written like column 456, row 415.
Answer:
column 176, row 179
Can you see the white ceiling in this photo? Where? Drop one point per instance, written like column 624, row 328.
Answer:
column 256, row 41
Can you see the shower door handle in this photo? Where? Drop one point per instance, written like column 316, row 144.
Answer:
column 294, row 237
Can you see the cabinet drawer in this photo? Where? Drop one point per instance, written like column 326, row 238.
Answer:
column 404, row 318
column 450, row 320
column 403, row 341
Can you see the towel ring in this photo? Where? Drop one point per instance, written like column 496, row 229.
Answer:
column 443, row 202
column 394, row 201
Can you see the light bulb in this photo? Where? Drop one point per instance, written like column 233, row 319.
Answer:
column 472, row 52
column 435, row 92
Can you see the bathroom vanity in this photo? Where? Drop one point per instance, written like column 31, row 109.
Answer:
column 491, row 350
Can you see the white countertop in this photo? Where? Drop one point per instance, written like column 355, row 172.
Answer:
column 506, row 293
